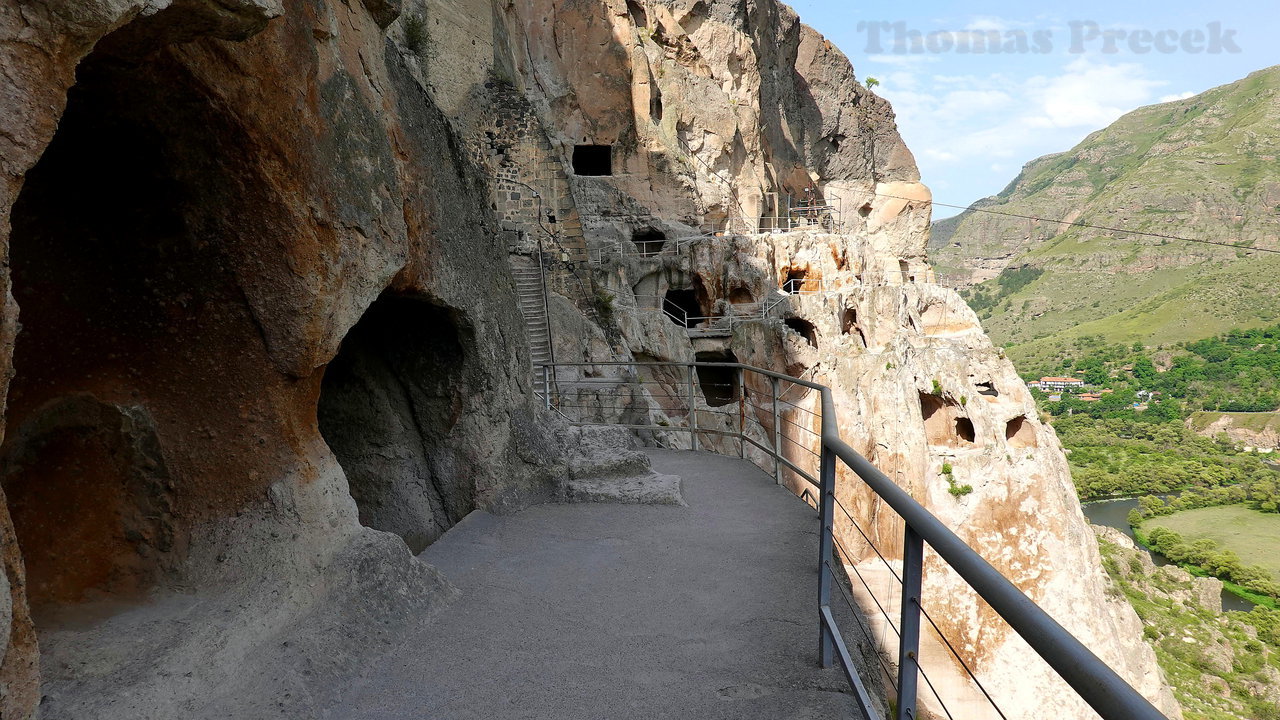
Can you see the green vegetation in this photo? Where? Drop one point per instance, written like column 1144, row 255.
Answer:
column 1254, row 536
column 1238, row 371
column 1208, row 555
column 1147, row 173
column 984, row 297
column 1219, row 665
column 953, row 487
column 1121, row 456
column 416, row 36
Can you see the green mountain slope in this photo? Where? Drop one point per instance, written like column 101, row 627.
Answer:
column 1206, row 167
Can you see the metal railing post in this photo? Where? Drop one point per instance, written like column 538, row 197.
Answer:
column 909, row 644
column 826, row 550
column 777, row 435
column 693, row 408
column 546, row 385
column 742, row 413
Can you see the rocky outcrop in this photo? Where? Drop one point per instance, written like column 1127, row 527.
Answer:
column 259, row 255
column 1257, row 430
column 199, row 202
column 716, row 115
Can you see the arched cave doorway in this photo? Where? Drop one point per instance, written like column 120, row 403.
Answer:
column 681, row 306
column 797, row 281
column 135, row 335
column 720, row 386
column 388, row 404
column 804, row 329
column 649, row 242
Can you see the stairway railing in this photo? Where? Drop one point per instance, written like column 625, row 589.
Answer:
column 789, row 451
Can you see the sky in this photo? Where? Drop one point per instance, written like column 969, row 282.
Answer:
column 974, row 116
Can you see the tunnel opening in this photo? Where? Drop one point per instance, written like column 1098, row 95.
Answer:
column 389, row 402
column 849, row 325
column 865, row 210
column 720, row 386
column 804, row 329
column 593, row 160
column 681, row 307
column 649, row 241
column 943, row 424
column 797, row 280
column 1020, row 433
column 135, row 336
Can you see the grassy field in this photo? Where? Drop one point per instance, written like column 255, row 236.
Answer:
column 1252, row 535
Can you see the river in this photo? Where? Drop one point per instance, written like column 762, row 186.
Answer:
column 1115, row 513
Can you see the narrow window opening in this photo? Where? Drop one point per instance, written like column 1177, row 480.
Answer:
column 593, row 160
column 720, row 386
column 649, row 241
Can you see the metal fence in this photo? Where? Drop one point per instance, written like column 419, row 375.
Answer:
column 787, row 426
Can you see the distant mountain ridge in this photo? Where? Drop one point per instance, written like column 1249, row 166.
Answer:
column 1205, row 167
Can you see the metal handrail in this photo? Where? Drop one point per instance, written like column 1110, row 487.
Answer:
column 1091, row 678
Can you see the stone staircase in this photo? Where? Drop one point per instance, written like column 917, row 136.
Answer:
column 537, row 329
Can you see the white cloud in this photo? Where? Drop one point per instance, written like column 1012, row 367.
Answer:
column 1179, row 96
column 997, row 121
column 1091, row 94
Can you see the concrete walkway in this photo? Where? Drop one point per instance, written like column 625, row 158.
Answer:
column 617, row 611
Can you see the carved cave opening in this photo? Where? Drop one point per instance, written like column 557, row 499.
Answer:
column 649, row 241
column 593, row 160
column 797, row 280
column 804, row 328
column 943, row 423
column 389, row 403
column 849, row 325
column 720, row 386
column 681, row 306
column 1020, row 433
column 134, row 338
column 741, row 296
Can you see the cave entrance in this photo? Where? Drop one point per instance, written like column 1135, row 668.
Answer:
column 388, row 404
column 944, row 425
column 720, row 386
column 804, row 328
column 741, row 296
column 849, row 325
column 797, row 281
column 649, row 241
column 682, row 307
column 593, row 160
column 129, row 311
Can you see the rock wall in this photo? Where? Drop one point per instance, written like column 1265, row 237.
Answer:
column 715, row 113
column 218, row 215
column 198, row 202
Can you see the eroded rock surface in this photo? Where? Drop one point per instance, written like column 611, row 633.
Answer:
column 259, row 255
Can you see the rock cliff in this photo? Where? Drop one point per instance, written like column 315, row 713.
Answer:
column 260, row 317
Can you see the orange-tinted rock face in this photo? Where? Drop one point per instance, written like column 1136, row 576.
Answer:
column 192, row 230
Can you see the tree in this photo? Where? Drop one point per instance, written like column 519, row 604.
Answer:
column 1144, row 371
column 872, row 82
